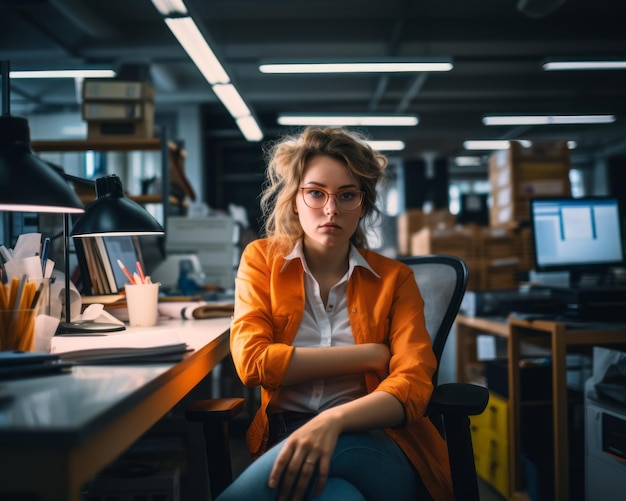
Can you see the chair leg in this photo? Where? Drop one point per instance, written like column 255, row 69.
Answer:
column 459, row 440
column 215, row 416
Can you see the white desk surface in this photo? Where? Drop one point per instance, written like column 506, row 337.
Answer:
column 57, row 431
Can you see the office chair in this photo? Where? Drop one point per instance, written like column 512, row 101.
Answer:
column 442, row 281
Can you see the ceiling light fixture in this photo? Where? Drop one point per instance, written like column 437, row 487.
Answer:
column 497, row 144
column 348, row 120
column 468, row 161
column 183, row 27
column 581, row 64
column 386, row 145
column 358, row 66
column 103, row 73
column 491, row 144
column 548, row 119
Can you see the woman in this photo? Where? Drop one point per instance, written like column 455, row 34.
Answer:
column 334, row 334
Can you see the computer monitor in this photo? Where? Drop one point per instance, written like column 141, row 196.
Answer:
column 579, row 235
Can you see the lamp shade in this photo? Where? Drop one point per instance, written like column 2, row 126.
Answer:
column 112, row 214
column 27, row 183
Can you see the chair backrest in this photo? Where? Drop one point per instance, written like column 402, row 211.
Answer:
column 442, row 280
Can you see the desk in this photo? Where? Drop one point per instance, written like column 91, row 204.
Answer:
column 558, row 336
column 59, row 431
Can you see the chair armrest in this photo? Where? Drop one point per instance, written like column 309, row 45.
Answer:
column 458, row 398
column 214, row 409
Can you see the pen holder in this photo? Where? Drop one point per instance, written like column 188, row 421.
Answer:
column 142, row 301
column 17, row 329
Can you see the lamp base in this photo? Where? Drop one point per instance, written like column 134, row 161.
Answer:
column 88, row 328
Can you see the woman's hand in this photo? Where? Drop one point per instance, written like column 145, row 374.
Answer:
column 306, row 450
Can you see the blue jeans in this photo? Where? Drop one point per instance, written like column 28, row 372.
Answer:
column 364, row 466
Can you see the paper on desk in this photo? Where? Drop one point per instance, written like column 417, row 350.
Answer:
column 124, row 346
column 29, row 266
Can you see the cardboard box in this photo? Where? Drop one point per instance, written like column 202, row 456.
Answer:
column 413, row 220
column 117, row 90
column 520, row 173
column 109, row 129
column 118, row 111
column 457, row 241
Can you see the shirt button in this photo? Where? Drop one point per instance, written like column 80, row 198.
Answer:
column 330, row 306
column 353, row 310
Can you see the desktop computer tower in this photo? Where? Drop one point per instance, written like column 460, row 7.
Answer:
column 591, row 303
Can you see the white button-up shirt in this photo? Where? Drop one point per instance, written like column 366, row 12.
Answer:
column 323, row 326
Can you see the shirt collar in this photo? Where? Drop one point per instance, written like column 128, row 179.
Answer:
column 355, row 259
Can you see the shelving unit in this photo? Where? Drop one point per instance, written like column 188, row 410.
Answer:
column 557, row 336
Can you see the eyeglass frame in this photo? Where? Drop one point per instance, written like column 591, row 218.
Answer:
column 328, row 195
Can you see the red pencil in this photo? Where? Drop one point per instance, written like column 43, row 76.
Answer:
column 141, row 273
column 130, row 278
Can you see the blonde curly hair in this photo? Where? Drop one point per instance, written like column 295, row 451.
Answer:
column 287, row 161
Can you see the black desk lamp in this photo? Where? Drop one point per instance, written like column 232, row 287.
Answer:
column 110, row 214
column 27, row 183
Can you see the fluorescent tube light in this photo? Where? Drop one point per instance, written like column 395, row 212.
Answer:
column 548, row 119
column 191, row 39
column 387, row 145
column 348, row 120
column 168, row 7
column 249, row 128
column 357, row 66
column 231, row 100
column 491, row 144
column 584, row 65
column 189, row 36
column 468, row 161
column 63, row 74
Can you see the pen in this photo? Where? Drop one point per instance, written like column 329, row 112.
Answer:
column 44, row 255
column 35, row 299
column 130, row 278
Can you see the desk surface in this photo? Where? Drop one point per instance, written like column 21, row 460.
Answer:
column 57, row 432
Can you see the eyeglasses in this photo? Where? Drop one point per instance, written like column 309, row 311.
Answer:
column 316, row 198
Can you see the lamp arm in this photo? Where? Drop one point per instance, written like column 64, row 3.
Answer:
column 66, row 258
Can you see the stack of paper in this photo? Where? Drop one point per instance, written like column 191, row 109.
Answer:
column 153, row 346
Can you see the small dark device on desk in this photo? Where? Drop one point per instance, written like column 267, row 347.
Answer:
column 584, row 237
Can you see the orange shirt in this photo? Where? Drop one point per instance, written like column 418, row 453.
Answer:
column 269, row 302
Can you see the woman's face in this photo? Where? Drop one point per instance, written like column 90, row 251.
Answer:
column 331, row 225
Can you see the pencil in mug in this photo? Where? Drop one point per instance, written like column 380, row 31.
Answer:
column 128, row 275
column 142, row 275
column 24, row 327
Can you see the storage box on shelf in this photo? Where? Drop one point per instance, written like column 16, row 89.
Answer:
column 520, row 173
column 490, row 253
column 117, row 108
column 413, row 220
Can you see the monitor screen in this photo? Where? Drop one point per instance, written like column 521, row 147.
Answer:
column 576, row 233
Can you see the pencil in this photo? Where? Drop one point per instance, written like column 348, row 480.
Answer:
column 128, row 275
column 141, row 273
